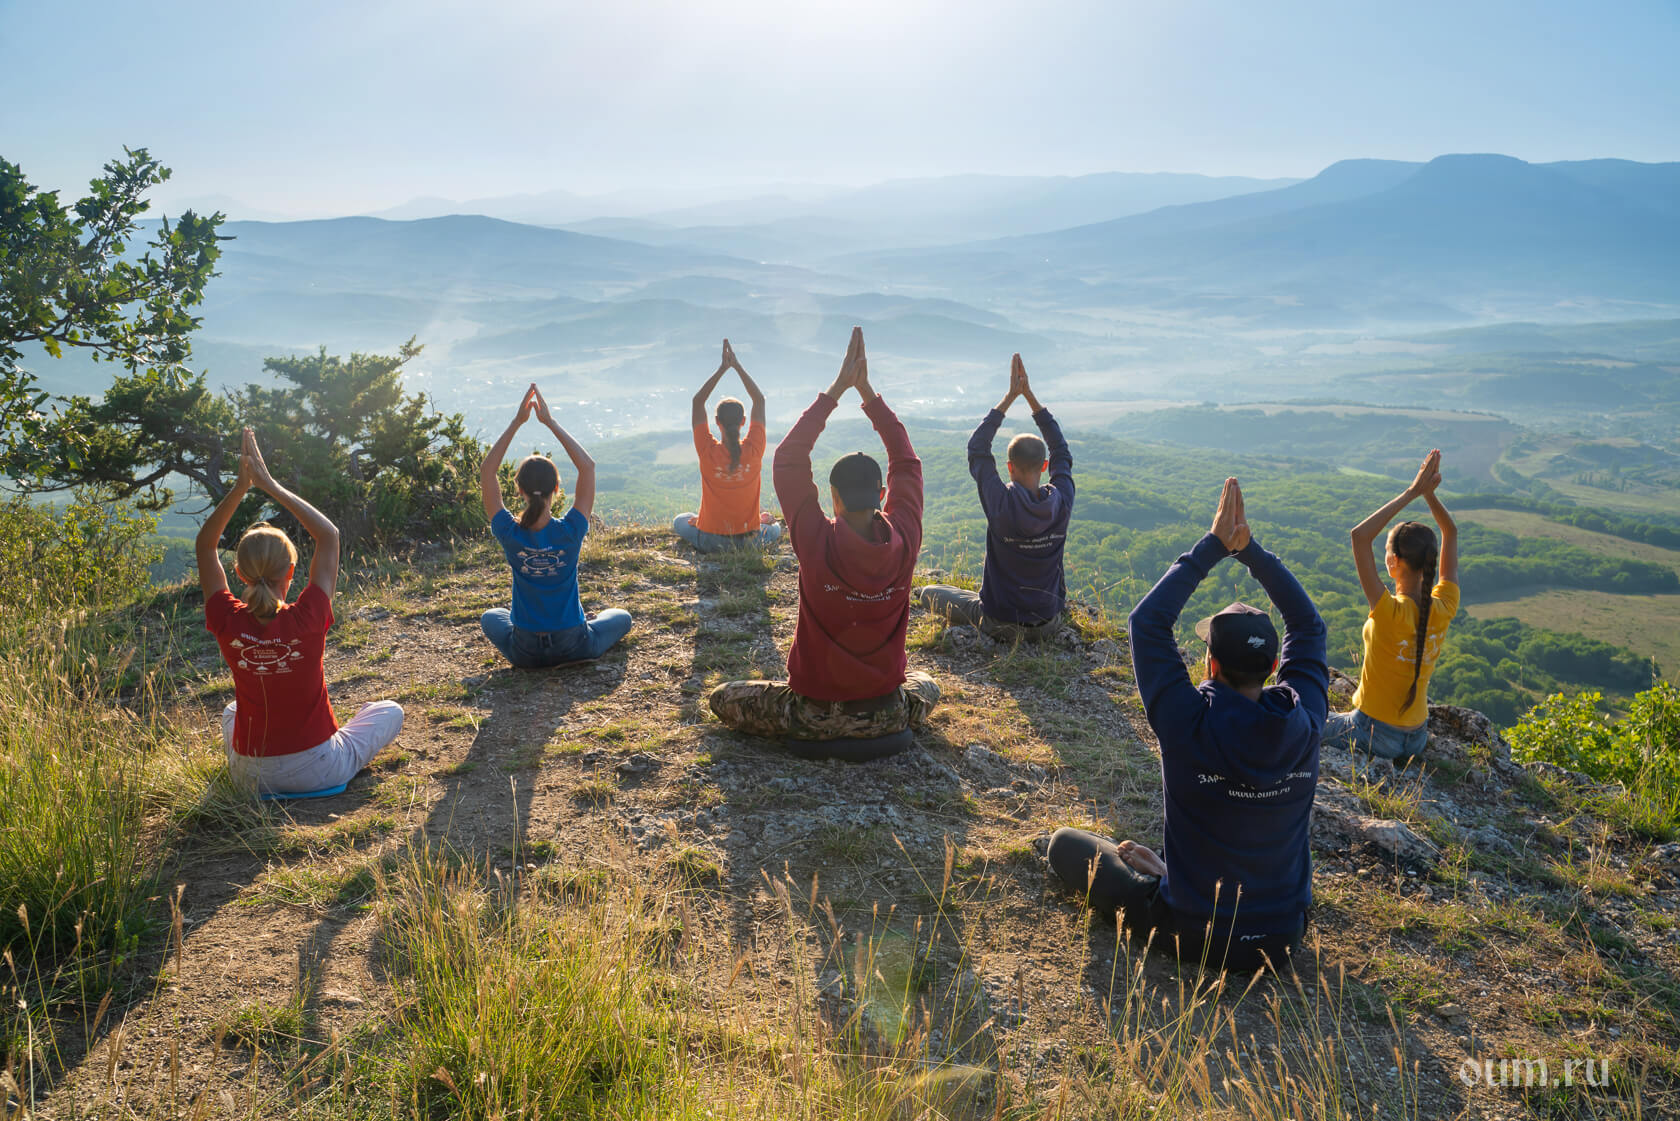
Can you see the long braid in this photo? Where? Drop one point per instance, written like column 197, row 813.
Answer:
column 1414, row 543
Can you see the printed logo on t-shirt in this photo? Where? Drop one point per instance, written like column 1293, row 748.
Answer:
column 1041, row 541
column 723, row 473
column 852, row 596
column 1431, row 649
column 1247, row 792
column 537, row 563
column 266, row 655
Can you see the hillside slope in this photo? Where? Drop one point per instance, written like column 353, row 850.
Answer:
column 1507, row 918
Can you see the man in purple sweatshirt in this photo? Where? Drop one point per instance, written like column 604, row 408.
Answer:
column 1022, row 591
column 1239, row 767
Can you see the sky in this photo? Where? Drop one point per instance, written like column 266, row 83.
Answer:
column 307, row 108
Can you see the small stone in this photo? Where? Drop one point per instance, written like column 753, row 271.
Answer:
column 1105, row 648
column 1398, row 838
column 1468, row 727
column 987, row 761
column 1665, row 857
column 1490, row 839
column 638, row 764
column 1450, row 1012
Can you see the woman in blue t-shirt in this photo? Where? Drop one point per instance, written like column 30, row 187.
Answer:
column 546, row 625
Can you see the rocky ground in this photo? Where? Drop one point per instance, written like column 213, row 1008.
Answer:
column 1467, row 909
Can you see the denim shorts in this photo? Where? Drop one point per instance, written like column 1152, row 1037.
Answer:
column 1355, row 730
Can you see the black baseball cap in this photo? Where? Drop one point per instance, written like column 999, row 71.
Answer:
column 1241, row 638
column 858, row 479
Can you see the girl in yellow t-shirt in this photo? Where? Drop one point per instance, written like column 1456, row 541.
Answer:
column 1405, row 630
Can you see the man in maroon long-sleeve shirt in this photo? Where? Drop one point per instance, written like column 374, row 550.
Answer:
column 846, row 672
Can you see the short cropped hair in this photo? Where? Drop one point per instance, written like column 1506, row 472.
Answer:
column 1242, row 678
column 857, row 478
column 1026, row 451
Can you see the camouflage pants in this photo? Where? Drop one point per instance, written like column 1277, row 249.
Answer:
column 773, row 710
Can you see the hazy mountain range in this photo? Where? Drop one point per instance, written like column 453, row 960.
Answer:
column 793, row 218
column 1246, row 292
column 1465, row 236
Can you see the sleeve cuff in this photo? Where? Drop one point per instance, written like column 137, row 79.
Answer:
column 875, row 405
column 1250, row 552
column 1209, row 551
column 1043, row 415
column 826, row 403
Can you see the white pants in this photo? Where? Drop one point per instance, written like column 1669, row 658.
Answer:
column 337, row 760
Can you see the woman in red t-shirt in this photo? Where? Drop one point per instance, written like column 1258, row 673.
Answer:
column 280, row 732
column 729, row 470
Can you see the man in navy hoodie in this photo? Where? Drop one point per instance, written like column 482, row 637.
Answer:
column 1022, row 590
column 1239, row 763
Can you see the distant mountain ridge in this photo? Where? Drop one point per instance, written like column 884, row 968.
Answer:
column 925, row 211
column 466, row 255
column 1458, row 229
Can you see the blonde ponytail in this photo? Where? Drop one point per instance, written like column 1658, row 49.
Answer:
column 264, row 557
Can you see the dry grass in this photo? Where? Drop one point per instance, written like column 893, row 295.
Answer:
column 744, row 956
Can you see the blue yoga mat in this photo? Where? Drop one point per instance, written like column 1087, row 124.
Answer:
column 286, row 795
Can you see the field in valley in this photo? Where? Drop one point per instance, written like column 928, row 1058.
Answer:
column 1647, row 625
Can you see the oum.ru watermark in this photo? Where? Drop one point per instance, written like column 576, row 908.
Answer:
column 1533, row 1073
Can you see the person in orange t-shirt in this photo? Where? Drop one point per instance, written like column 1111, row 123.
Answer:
column 729, row 470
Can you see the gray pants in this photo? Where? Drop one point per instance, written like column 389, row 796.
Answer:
column 960, row 605
column 326, row 764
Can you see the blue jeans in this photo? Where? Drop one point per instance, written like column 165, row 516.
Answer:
column 538, row 649
column 1355, row 730
column 717, row 542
